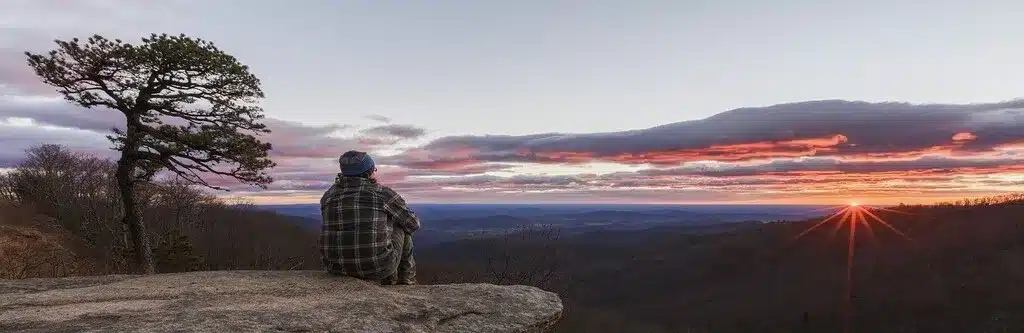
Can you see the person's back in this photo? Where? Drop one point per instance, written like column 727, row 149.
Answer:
column 367, row 228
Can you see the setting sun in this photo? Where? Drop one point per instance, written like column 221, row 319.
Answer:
column 850, row 217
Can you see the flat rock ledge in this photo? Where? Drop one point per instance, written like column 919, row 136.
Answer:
column 268, row 301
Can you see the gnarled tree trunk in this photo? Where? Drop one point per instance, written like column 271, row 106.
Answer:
column 132, row 219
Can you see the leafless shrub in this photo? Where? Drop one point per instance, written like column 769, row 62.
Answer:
column 528, row 256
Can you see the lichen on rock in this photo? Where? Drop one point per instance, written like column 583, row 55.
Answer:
column 268, row 301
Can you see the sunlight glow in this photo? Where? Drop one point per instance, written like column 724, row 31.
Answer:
column 850, row 217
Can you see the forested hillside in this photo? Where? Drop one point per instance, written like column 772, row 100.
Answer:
column 75, row 195
column 958, row 270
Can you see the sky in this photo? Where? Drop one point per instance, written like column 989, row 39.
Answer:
column 732, row 101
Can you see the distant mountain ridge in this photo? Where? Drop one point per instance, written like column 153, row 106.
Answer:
column 444, row 222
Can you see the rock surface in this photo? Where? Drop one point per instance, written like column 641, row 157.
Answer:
column 268, row 301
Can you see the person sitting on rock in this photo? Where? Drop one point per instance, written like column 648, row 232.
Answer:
column 367, row 227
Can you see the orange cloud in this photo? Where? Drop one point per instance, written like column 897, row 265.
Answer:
column 817, row 142
column 738, row 152
column 964, row 136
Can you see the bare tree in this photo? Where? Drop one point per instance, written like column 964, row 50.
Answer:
column 529, row 256
column 44, row 177
column 189, row 108
column 179, row 203
column 7, row 194
column 77, row 191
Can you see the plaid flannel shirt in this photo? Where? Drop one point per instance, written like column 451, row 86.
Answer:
column 359, row 217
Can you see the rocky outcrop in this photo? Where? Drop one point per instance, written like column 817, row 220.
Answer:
column 268, row 301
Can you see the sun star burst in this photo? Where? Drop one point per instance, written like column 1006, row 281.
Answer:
column 850, row 217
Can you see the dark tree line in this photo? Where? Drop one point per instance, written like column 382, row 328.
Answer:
column 960, row 271
column 525, row 255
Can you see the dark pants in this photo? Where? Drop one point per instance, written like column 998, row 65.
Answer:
column 404, row 271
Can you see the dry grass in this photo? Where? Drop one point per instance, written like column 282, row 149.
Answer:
column 33, row 246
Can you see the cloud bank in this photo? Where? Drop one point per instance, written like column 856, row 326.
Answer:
column 817, row 128
column 800, row 151
column 814, row 151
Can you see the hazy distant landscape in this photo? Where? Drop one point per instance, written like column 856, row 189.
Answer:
column 447, row 222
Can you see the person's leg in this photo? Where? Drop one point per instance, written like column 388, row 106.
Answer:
column 407, row 264
column 390, row 280
column 404, row 269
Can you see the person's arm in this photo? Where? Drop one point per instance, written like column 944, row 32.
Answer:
column 399, row 210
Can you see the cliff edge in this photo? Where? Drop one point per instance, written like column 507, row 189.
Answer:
column 268, row 301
